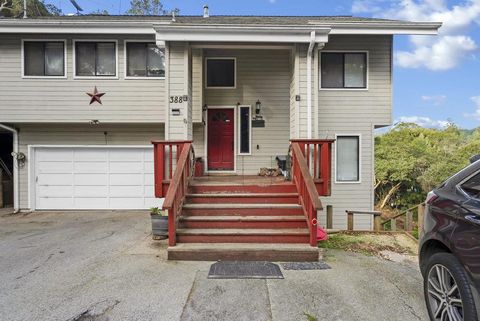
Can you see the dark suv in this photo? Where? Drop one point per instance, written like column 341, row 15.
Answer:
column 450, row 248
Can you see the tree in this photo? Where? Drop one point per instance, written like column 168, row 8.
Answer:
column 99, row 12
column 149, row 8
column 35, row 8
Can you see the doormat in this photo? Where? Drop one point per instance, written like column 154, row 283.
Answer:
column 244, row 270
column 305, row 266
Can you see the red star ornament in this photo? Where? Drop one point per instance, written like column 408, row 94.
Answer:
column 95, row 96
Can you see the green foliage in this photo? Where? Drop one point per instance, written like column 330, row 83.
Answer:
column 310, row 317
column 35, row 8
column 148, row 8
column 157, row 211
column 411, row 160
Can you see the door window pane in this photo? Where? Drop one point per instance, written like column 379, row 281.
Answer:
column 156, row 61
column 34, row 59
column 332, row 70
column 348, row 159
column 220, row 73
column 355, row 70
column 245, row 130
column 54, row 59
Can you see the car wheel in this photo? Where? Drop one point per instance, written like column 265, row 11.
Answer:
column 447, row 290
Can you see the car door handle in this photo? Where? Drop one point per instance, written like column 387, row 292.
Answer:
column 473, row 218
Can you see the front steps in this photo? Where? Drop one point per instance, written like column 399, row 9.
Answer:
column 242, row 222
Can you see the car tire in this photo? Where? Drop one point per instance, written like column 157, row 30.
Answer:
column 438, row 265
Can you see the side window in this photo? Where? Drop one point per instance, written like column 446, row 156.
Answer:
column 145, row 60
column 245, row 130
column 44, row 59
column 472, row 186
column 343, row 70
column 348, row 159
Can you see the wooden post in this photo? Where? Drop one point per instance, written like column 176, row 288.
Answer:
column 393, row 224
column 377, row 223
column 329, row 216
column 350, row 221
column 408, row 221
column 421, row 214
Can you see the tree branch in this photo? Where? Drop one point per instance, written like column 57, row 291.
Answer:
column 3, row 6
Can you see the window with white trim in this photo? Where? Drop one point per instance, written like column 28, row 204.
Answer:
column 95, row 59
column 220, row 73
column 343, row 70
column 145, row 59
column 348, row 158
column 245, row 130
column 44, row 58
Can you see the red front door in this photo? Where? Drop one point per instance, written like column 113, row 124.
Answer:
column 220, row 139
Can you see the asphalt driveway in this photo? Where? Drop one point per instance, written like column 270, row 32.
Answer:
column 104, row 266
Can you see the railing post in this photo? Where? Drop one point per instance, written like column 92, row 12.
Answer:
column 377, row 223
column 350, row 221
column 421, row 214
column 329, row 216
column 408, row 221
column 393, row 224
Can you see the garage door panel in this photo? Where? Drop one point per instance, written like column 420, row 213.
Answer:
column 90, row 167
column 126, row 167
column 94, row 178
column 54, row 167
column 90, row 179
column 90, row 203
column 55, row 191
column 90, row 191
column 126, row 191
column 54, row 179
column 90, row 154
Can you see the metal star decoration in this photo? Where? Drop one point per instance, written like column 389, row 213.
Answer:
column 95, row 96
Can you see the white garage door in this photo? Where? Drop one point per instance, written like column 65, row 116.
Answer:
column 94, row 178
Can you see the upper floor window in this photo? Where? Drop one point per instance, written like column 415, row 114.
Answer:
column 220, row 73
column 95, row 59
column 344, row 70
column 44, row 58
column 348, row 159
column 145, row 60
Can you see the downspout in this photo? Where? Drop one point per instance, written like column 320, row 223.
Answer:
column 16, row 203
column 309, row 84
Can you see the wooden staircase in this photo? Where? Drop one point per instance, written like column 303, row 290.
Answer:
column 236, row 221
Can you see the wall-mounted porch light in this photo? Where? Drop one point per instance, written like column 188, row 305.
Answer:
column 258, row 120
column 204, row 114
column 258, row 107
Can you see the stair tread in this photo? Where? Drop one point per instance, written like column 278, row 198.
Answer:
column 278, row 247
column 242, row 195
column 240, row 205
column 244, row 218
column 244, row 231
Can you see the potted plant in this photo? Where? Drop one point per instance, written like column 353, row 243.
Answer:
column 159, row 223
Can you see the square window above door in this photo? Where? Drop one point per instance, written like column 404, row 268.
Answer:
column 220, row 73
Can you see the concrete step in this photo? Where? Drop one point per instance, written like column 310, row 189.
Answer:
column 262, row 222
column 212, row 189
column 244, row 235
column 244, row 198
column 244, row 252
column 239, row 209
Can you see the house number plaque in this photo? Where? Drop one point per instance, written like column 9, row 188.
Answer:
column 178, row 99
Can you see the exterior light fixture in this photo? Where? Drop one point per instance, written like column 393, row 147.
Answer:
column 204, row 114
column 258, row 107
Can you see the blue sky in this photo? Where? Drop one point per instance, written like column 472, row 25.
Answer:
column 436, row 79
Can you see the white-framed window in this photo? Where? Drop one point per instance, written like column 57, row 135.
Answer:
column 221, row 73
column 244, row 130
column 44, row 58
column 347, row 159
column 144, row 59
column 343, row 70
column 95, row 58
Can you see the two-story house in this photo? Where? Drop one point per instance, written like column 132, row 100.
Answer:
column 239, row 87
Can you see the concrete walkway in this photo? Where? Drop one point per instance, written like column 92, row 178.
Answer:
column 104, row 266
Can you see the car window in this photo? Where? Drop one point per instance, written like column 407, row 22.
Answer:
column 472, row 186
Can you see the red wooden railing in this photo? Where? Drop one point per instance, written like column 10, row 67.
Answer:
column 178, row 182
column 318, row 156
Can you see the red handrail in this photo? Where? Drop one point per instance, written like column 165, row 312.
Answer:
column 178, row 186
column 318, row 156
column 308, row 195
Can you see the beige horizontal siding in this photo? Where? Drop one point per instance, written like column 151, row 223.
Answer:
column 76, row 134
column 65, row 100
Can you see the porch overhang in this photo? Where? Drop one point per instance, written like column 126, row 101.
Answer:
column 238, row 33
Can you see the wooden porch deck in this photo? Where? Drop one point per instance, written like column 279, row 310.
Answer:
column 255, row 180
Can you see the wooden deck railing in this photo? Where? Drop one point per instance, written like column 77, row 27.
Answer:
column 406, row 220
column 318, row 157
column 308, row 195
column 177, row 188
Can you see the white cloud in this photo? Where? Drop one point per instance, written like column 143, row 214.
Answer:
column 442, row 52
column 476, row 114
column 435, row 100
column 423, row 121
